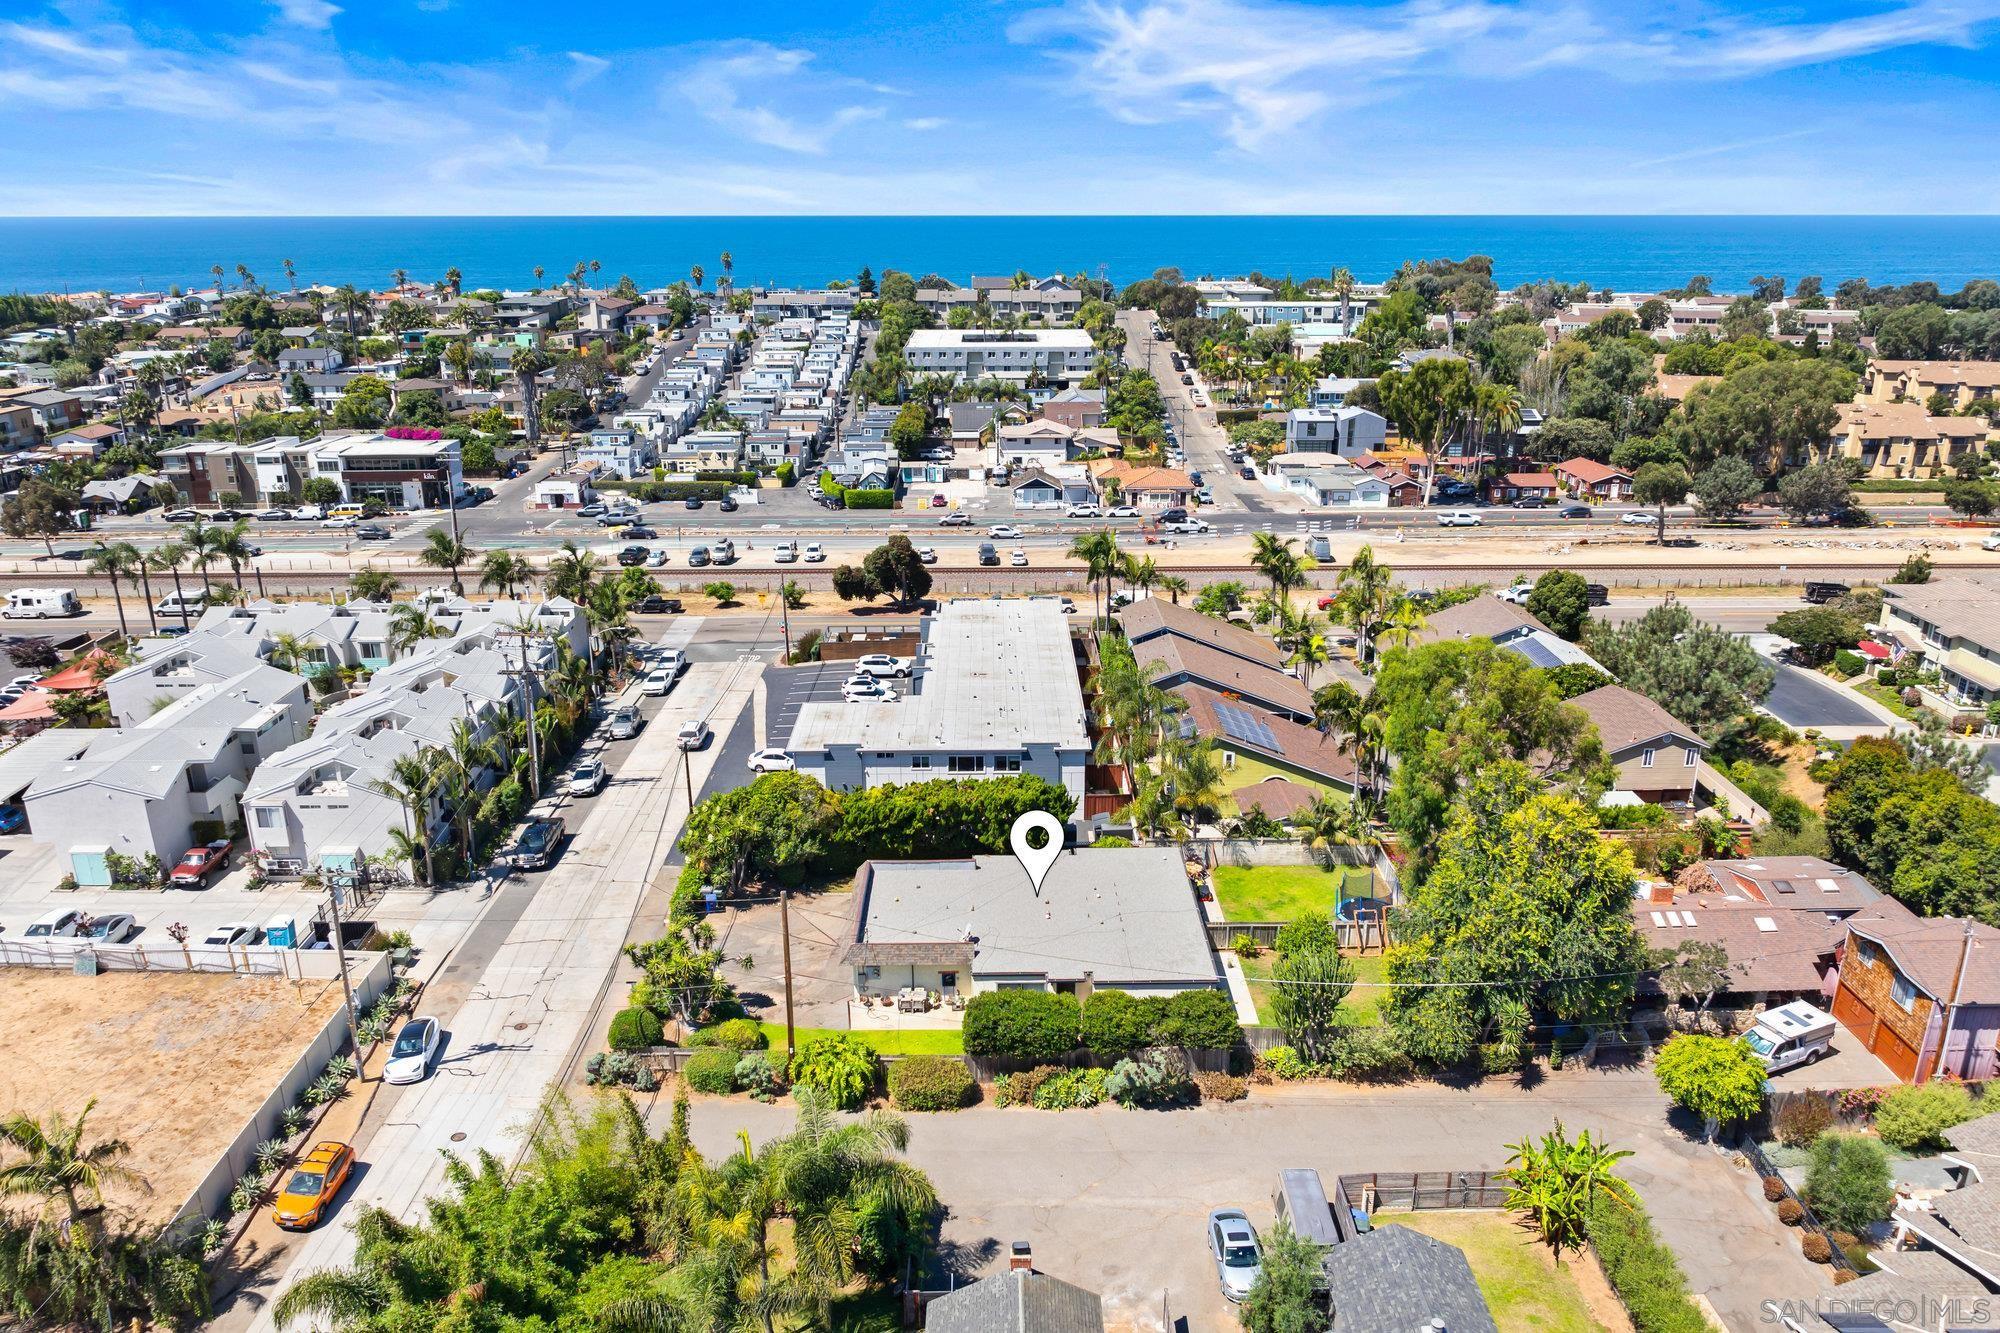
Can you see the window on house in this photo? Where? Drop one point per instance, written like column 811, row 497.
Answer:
column 920, row 761
column 1902, row 992
column 967, row 763
column 1646, row 759
column 269, row 816
column 1007, row 763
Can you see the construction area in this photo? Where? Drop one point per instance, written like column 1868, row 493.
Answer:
column 177, row 1061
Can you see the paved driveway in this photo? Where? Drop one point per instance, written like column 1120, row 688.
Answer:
column 1114, row 1200
column 1801, row 698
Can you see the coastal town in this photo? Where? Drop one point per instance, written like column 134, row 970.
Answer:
column 511, row 802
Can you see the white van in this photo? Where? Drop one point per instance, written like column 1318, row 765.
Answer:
column 723, row 552
column 182, row 603
column 41, row 603
column 1792, row 1034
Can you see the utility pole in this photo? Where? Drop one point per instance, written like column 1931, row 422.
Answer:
column 785, row 927
column 1957, row 986
column 340, row 959
column 528, row 707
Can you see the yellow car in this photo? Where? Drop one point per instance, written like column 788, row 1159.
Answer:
column 313, row 1185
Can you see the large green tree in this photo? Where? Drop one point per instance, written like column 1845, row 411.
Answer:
column 1768, row 412
column 1918, row 833
column 1702, row 674
column 1526, row 908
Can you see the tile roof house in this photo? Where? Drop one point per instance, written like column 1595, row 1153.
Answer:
column 1922, row 993
column 1597, row 481
column 1019, row 1300
column 1144, row 487
column 1113, row 917
column 1395, row 1280
column 1657, row 757
column 1953, row 624
column 1904, row 440
column 1796, row 883
column 1512, row 486
column 1916, row 381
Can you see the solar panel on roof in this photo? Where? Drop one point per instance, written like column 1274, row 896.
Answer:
column 1244, row 726
column 1537, row 652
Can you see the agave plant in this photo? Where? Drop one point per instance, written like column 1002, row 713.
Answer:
column 341, row 1067
column 269, row 1153
column 213, row 1234
column 328, row 1087
column 249, row 1192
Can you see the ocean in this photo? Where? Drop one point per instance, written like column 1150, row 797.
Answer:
column 1622, row 253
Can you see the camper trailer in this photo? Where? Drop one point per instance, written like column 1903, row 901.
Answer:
column 1792, row 1034
column 42, row 603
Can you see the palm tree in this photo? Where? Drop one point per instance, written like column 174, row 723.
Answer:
column 454, row 280
column 57, row 1166
column 501, row 570
column 1330, row 823
column 116, row 560
column 216, row 270
column 1406, row 622
column 232, row 544
column 409, row 625
column 1139, row 573
column 571, row 573
column 168, row 559
column 527, row 364
column 467, row 754
column 697, row 276
column 444, row 551
column 1173, row 585
column 290, row 650
column 374, row 585
column 412, row 778
column 397, row 279
column 1366, row 594
column 292, row 276
column 348, row 302
column 1196, row 776
column 728, row 270
column 1310, row 654
column 1343, row 287
column 1273, row 557
column 1100, row 555
column 200, row 540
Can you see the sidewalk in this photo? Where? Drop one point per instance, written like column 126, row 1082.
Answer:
column 530, row 1013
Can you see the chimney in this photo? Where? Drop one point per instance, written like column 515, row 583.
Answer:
column 1022, row 1259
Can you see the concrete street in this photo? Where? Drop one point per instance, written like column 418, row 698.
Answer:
column 523, row 1024
column 1114, row 1200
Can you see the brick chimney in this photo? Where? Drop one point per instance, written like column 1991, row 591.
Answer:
column 1021, row 1259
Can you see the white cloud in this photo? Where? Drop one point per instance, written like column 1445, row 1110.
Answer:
column 1267, row 68
column 586, row 67
column 926, row 123
column 317, row 14
column 716, row 88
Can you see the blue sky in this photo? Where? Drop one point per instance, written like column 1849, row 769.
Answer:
column 1042, row 106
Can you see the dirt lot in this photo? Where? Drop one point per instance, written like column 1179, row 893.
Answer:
column 177, row 1062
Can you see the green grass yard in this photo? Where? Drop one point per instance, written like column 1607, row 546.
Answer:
column 1280, row 893
column 913, row 1041
column 1361, row 1008
column 1525, row 1290
column 1888, row 698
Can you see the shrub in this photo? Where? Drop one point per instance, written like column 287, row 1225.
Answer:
column 1022, row 1024
column 1816, row 1248
column 1115, row 1022
column 859, row 499
column 1916, row 1118
column 930, row 1083
column 1798, row 1122
column 841, row 1066
column 1286, row 1064
column 1246, row 947
column 1370, row 1054
column 757, row 1076
column 1071, row 1089
column 1847, row 1182
column 737, row 1034
column 632, row 1029
column 1774, row 1189
column 1844, row 1276
column 1019, row 1089
column 1791, row 1212
column 711, row 1071
column 1157, row 1077
column 1221, row 1087
column 1199, row 1020
column 1848, row 663
column 1644, row 1273
column 1307, row 931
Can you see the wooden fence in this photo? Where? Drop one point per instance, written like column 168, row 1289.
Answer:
column 1423, row 1190
column 1359, row 936
column 986, row 1068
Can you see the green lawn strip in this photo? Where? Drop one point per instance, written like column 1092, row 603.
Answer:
column 913, row 1041
column 1281, row 893
column 1519, row 1285
column 1361, row 1008
column 1888, row 698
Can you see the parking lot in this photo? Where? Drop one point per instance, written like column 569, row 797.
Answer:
column 788, row 689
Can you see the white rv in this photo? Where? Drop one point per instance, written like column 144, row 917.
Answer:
column 41, row 603
column 1792, row 1034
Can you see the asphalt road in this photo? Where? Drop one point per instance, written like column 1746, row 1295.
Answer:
column 1801, row 698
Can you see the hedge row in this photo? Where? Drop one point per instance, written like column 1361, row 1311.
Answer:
column 930, row 1083
column 1040, row 1025
column 1644, row 1273
column 859, row 499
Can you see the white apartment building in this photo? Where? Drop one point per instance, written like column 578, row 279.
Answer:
column 1014, row 354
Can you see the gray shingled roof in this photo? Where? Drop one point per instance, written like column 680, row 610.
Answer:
column 1017, row 1302
column 1964, row 1223
column 1395, row 1280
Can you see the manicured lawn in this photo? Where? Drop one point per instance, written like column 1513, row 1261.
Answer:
column 922, row 1041
column 1524, row 1290
column 1280, row 893
column 1361, row 1007
column 1888, row 698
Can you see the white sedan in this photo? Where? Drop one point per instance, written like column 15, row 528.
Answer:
column 814, row 553
column 869, row 691
column 772, row 761
column 586, row 779
column 416, row 1048
column 1004, row 531
column 1638, row 516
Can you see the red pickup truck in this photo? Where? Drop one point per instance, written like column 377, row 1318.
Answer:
column 200, row 863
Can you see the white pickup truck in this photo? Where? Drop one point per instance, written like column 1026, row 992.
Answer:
column 1187, row 527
